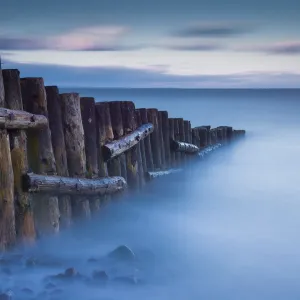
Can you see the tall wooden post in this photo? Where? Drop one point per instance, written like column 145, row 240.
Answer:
column 25, row 229
column 117, row 164
column 171, row 137
column 88, row 115
column 59, row 150
column 166, row 136
column 203, row 134
column 142, row 164
column 147, row 141
column 105, row 133
column 161, row 141
column 129, row 124
column 195, row 137
column 152, row 115
column 40, row 156
column 75, row 148
column 178, row 158
column 7, row 210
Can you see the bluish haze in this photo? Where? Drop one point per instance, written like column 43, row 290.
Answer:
column 227, row 228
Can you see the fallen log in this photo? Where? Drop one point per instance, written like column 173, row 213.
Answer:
column 183, row 147
column 18, row 119
column 34, row 183
column 118, row 147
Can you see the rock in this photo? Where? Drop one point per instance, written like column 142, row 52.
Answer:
column 100, row 276
column 5, row 296
column 27, row 291
column 50, row 286
column 71, row 272
column 122, row 253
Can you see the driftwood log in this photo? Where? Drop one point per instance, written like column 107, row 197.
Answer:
column 40, row 156
column 75, row 148
column 184, row 147
column 17, row 119
column 25, row 229
column 35, row 183
column 59, row 150
column 115, row 148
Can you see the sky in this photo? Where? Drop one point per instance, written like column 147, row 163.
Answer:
column 158, row 43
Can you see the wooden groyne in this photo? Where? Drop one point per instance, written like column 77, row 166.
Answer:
column 62, row 156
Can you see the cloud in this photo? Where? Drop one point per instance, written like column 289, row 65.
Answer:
column 98, row 38
column 195, row 47
column 213, row 30
column 121, row 77
column 283, row 48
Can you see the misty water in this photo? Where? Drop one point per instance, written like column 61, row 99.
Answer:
column 225, row 228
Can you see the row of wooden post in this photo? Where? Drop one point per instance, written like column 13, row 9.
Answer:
column 71, row 145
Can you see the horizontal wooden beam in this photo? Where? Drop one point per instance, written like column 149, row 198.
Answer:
column 184, row 147
column 123, row 144
column 18, row 119
column 155, row 174
column 34, row 183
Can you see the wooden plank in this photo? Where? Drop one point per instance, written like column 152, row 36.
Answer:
column 24, row 221
column 35, row 183
column 40, row 156
column 59, row 150
column 75, row 148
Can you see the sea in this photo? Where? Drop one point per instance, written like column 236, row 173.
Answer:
column 227, row 228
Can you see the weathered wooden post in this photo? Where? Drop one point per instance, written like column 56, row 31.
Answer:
column 147, row 141
column 105, row 134
column 171, row 137
column 59, row 150
column 88, row 115
column 213, row 136
column 142, row 163
column 129, row 124
column 75, row 148
column 203, row 134
column 181, row 136
column 40, row 156
column 195, row 137
column 178, row 155
column 117, row 164
column 164, row 117
column 161, row 141
column 25, row 229
column 152, row 115
column 7, row 210
column 208, row 136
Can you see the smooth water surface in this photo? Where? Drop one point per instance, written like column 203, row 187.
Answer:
column 226, row 228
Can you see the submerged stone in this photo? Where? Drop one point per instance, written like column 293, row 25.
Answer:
column 123, row 253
